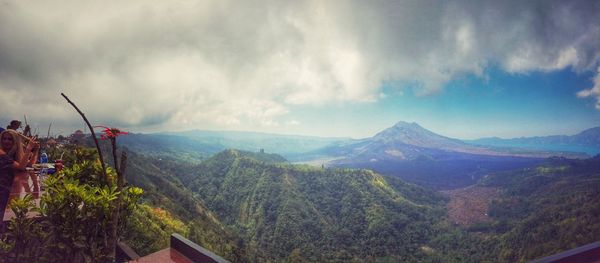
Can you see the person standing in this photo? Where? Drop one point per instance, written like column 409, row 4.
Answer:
column 6, row 180
column 13, row 159
column 21, row 178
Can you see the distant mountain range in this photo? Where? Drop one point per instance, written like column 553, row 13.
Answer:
column 409, row 141
column 196, row 145
column 418, row 155
column 406, row 150
column 587, row 141
column 288, row 145
column 403, row 141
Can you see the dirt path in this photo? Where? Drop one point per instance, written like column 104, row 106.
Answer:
column 470, row 205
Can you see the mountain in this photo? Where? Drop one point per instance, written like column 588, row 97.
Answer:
column 415, row 135
column 286, row 212
column 590, row 136
column 409, row 141
column 418, row 155
column 403, row 141
column 290, row 146
column 587, row 141
column 194, row 146
column 406, row 150
column 171, row 147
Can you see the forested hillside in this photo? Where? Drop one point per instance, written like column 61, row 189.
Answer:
column 285, row 211
column 257, row 207
column 546, row 209
column 169, row 207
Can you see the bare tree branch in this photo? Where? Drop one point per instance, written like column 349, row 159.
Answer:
column 93, row 135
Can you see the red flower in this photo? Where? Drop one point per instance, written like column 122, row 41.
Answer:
column 110, row 133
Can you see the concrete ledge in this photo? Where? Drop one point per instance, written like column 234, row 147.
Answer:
column 125, row 253
column 193, row 251
column 587, row 253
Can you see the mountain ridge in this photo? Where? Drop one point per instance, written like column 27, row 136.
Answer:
column 587, row 141
column 287, row 145
column 420, row 156
column 298, row 148
column 414, row 134
column 410, row 141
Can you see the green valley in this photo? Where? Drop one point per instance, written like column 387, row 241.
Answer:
column 281, row 210
column 257, row 207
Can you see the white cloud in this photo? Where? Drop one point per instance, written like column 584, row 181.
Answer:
column 593, row 91
column 241, row 64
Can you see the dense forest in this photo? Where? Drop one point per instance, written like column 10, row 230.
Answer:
column 170, row 208
column 545, row 209
column 257, row 207
column 284, row 210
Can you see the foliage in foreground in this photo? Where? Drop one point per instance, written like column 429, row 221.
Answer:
column 75, row 217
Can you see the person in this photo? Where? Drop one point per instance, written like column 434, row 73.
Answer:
column 43, row 158
column 14, row 125
column 12, row 159
column 21, row 179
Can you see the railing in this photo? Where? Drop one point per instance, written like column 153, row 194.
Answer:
column 193, row 251
column 124, row 253
column 180, row 250
column 587, row 253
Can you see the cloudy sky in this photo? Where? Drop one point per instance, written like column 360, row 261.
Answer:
column 464, row 69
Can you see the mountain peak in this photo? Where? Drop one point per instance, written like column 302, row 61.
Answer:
column 403, row 129
column 414, row 134
column 403, row 124
column 590, row 131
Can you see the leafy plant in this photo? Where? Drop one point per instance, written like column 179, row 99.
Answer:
column 75, row 219
column 23, row 233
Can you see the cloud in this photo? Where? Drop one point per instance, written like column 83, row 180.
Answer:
column 593, row 91
column 239, row 64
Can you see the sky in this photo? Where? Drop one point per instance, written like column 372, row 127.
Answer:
column 463, row 69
